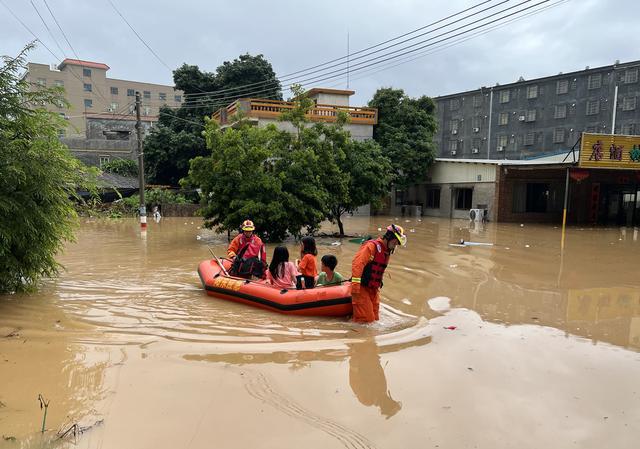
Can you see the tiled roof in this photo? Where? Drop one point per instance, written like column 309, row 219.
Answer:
column 88, row 64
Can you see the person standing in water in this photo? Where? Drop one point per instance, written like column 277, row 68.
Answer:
column 367, row 270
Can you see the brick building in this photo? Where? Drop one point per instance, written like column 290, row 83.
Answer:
column 101, row 116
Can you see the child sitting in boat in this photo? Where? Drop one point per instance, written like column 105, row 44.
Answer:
column 282, row 273
column 307, row 264
column 329, row 276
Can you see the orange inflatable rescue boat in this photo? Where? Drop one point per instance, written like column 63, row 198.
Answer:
column 334, row 300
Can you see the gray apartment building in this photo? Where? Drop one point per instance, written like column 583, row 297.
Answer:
column 538, row 117
column 101, row 117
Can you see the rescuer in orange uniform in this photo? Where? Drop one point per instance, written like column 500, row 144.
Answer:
column 367, row 270
column 248, row 253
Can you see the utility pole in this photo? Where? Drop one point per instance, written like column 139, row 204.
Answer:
column 143, row 208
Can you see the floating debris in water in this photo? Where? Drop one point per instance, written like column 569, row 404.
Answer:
column 453, row 265
column 412, row 230
column 198, row 237
column 379, row 229
column 336, row 243
column 451, row 328
column 527, row 246
column 521, row 225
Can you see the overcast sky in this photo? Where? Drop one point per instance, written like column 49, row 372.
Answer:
column 297, row 34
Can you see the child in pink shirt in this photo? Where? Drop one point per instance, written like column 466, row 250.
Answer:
column 282, row 273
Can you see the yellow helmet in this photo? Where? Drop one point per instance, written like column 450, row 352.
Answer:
column 247, row 225
column 398, row 232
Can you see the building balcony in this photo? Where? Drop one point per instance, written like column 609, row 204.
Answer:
column 257, row 108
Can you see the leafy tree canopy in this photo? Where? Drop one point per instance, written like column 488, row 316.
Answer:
column 286, row 182
column 38, row 178
column 178, row 136
column 405, row 132
column 122, row 167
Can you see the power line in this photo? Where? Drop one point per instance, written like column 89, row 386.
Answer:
column 400, row 52
column 29, row 30
column 61, row 31
column 349, row 55
column 47, row 27
column 138, row 36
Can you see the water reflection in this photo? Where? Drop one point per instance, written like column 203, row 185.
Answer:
column 367, row 378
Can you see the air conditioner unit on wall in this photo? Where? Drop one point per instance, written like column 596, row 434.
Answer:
column 522, row 118
column 500, row 148
column 478, row 214
column 475, row 150
column 454, row 131
column 453, row 152
column 475, row 130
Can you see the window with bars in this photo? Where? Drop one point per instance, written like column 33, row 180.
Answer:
column 560, row 111
column 531, row 115
column 476, row 143
column 530, row 138
column 88, row 87
column 114, row 90
column 504, row 96
column 177, row 98
column 88, row 103
column 477, row 101
column 558, row 135
column 629, row 103
column 631, row 76
column 594, row 81
column 628, row 129
column 532, row 91
column 162, row 96
column 503, row 118
column 453, row 145
column 433, row 198
column 453, row 126
column 146, row 94
column 454, row 104
column 146, row 110
column 463, row 198
column 104, row 160
column 593, row 107
column 475, row 123
column 562, row 87
column 131, row 92
column 113, row 107
column 503, row 140
column 86, row 72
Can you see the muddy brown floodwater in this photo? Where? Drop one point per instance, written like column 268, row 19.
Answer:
column 125, row 344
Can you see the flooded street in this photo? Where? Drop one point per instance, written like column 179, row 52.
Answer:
column 510, row 345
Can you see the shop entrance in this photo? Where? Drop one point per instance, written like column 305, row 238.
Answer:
column 621, row 205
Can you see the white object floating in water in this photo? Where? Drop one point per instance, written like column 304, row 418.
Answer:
column 406, row 301
column 526, row 246
column 198, row 237
column 521, row 225
column 419, row 219
column 186, row 222
column 192, row 222
column 463, row 243
column 407, row 221
column 198, row 227
column 413, row 230
column 453, row 265
column 379, row 229
column 507, row 247
column 336, row 243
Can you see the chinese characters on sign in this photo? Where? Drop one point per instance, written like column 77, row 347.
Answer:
column 624, row 151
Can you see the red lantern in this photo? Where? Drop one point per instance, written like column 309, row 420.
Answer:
column 578, row 174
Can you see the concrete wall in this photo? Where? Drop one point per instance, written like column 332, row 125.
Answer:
column 358, row 132
column 333, row 99
column 472, row 112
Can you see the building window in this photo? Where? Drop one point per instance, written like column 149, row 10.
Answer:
column 454, row 104
column 532, row 91
column 146, row 94
column 58, row 83
column 558, row 135
column 531, row 115
column 594, row 81
column 131, row 93
column 114, row 90
column 433, row 198
column 453, row 126
column 42, row 82
column 475, row 123
column 104, row 160
column 560, row 111
column 530, row 138
column 504, row 96
column 87, row 87
column 530, row 197
column 146, row 110
column 162, row 96
column 88, row 103
column 628, row 129
column 503, row 118
column 503, row 140
column 86, row 72
column 476, row 144
column 464, row 198
column 631, row 76
column 178, row 98
column 629, row 103
column 113, row 107
column 593, row 107
column 562, row 87
column 477, row 101
column 453, row 145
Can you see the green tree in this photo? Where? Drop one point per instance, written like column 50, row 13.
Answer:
column 178, row 136
column 38, row 178
column 122, row 167
column 405, row 132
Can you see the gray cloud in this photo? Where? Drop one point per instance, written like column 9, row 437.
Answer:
column 298, row 34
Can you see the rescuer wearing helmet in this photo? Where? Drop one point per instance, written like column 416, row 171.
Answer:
column 367, row 270
column 248, row 253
